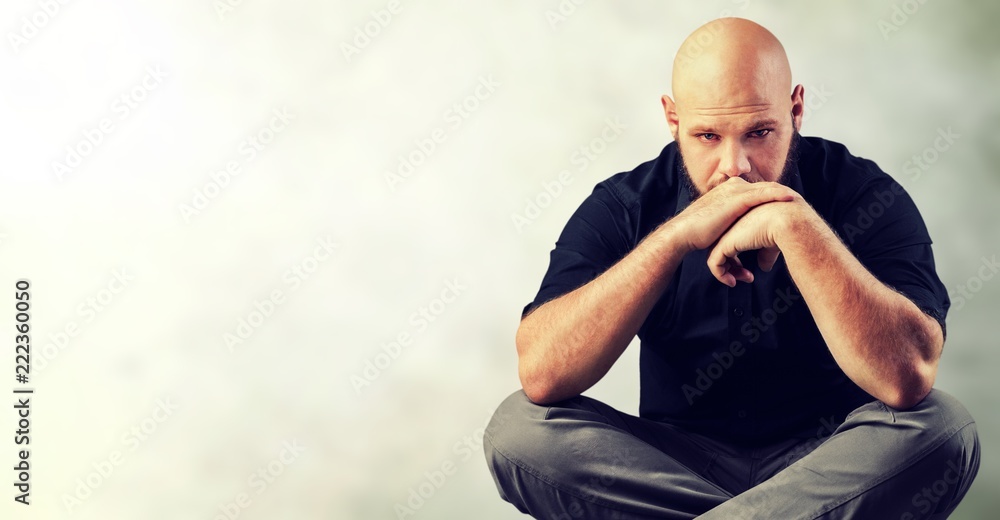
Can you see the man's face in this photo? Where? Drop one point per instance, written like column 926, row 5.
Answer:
column 756, row 145
column 733, row 115
column 756, row 153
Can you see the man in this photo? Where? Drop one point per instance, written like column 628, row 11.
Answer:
column 790, row 317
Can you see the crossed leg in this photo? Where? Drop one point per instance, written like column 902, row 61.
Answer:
column 584, row 459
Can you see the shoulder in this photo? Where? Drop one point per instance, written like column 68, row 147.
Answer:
column 827, row 163
column 648, row 192
column 835, row 179
column 862, row 202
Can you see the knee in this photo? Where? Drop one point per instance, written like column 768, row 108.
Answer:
column 957, row 455
column 508, row 443
column 941, row 412
column 507, row 428
column 943, row 419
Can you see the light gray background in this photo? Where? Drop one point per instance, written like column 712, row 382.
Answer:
column 160, row 338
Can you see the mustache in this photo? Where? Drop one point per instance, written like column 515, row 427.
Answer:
column 750, row 177
column 791, row 157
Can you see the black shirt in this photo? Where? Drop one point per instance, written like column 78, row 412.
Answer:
column 748, row 363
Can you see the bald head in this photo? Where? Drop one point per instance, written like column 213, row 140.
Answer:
column 734, row 112
column 730, row 62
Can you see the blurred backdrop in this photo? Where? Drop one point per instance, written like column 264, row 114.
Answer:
column 278, row 250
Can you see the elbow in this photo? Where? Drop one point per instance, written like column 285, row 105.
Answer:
column 543, row 385
column 537, row 391
column 537, row 381
column 542, row 391
column 533, row 387
column 918, row 378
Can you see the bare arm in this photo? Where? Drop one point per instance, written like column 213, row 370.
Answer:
column 880, row 339
column 568, row 344
column 565, row 346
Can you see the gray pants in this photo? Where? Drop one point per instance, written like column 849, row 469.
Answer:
column 583, row 459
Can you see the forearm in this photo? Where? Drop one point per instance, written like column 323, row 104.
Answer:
column 568, row 344
column 881, row 340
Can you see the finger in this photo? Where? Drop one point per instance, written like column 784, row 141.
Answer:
column 767, row 257
column 727, row 269
column 741, row 274
column 753, row 195
column 720, row 269
column 735, row 267
column 734, row 206
column 732, row 273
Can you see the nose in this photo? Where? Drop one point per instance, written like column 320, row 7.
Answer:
column 734, row 161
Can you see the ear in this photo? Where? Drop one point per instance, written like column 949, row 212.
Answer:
column 670, row 111
column 798, row 105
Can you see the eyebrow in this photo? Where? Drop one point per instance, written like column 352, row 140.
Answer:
column 763, row 123
column 756, row 125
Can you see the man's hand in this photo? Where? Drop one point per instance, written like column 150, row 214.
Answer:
column 755, row 230
column 569, row 343
column 702, row 223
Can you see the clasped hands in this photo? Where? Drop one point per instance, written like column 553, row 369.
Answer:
column 738, row 216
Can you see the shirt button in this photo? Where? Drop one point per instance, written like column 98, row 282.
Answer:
column 742, row 414
column 738, row 311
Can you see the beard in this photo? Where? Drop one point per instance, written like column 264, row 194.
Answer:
column 786, row 171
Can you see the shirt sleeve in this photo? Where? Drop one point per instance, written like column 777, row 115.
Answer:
column 595, row 238
column 885, row 231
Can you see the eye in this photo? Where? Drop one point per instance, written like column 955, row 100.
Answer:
column 708, row 137
column 760, row 133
